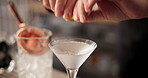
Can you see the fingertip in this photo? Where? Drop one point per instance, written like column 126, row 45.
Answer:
column 58, row 13
column 46, row 4
column 69, row 19
column 66, row 15
column 52, row 4
column 82, row 19
column 52, row 8
column 76, row 18
column 87, row 8
column 90, row 5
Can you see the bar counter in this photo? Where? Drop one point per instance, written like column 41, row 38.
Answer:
column 56, row 74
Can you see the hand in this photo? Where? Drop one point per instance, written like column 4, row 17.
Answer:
column 61, row 8
column 115, row 10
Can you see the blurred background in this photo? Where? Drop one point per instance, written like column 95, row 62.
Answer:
column 103, row 63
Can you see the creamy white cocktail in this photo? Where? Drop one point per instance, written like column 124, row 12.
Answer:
column 72, row 52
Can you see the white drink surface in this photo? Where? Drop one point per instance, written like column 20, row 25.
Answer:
column 72, row 54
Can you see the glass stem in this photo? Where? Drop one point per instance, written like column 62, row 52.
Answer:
column 72, row 73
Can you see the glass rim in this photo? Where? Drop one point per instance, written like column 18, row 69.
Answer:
column 84, row 40
column 48, row 34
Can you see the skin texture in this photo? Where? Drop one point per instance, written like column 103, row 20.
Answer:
column 61, row 8
column 115, row 10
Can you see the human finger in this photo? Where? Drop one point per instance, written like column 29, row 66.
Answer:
column 88, row 4
column 46, row 4
column 59, row 7
column 75, row 12
column 52, row 4
column 68, row 11
column 81, row 11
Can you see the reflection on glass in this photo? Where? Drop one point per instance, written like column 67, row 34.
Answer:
column 72, row 52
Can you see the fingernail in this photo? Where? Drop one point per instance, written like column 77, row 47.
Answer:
column 82, row 19
column 58, row 14
column 75, row 17
column 66, row 16
column 67, row 19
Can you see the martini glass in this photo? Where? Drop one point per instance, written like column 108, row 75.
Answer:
column 72, row 52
